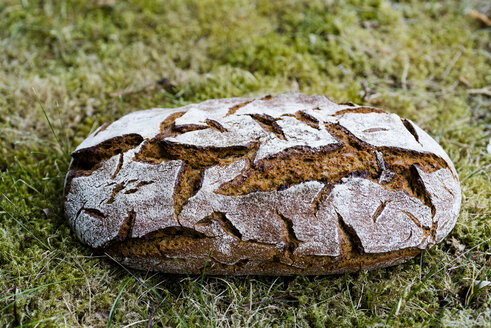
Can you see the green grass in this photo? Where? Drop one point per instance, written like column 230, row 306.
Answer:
column 65, row 59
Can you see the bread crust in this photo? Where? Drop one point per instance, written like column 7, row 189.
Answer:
column 283, row 185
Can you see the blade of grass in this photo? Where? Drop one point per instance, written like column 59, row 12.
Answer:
column 154, row 291
column 121, row 101
column 479, row 170
column 22, row 224
column 350, row 298
column 202, row 279
column 430, row 274
column 25, row 171
column 66, row 148
column 33, row 323
column 134, row 323
column 32, row 290
column 474, row 289
column 181, row 320
column 47, row 119
column 116, row 302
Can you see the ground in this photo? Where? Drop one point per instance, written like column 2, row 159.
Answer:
column 69, row 66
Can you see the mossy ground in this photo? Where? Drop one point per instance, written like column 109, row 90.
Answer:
column 415, row 58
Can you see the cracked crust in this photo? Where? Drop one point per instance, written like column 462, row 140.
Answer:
column 283, row 185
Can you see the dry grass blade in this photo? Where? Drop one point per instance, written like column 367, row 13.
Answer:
column 483, row 91
column 479, row 16
column 286, row 294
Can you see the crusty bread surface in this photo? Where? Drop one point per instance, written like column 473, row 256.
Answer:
column 283, row 185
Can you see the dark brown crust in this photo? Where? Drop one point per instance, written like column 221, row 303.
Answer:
column 291, row 240
column 348, row 103
column 379, row 211
column 350, row 242
column 410, row 128
column 269, row 124
column 187, row 185
column 307, row 119
column 167, row 126
column 215, row 125
column 102, row 128
column 267, row 97
column 87, row 160
column 158, row 150
column 325, row 191
column 127, row 226
column 221, row 218
column 359, row 110
column 235, row 108
column 168, row 246
column 330, row 164
column 196, row 160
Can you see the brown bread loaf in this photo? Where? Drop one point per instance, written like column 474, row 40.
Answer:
column 282, row 185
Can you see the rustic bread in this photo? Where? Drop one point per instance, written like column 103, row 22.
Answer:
column 282, row 185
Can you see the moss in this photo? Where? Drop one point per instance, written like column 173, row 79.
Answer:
column 406, row 56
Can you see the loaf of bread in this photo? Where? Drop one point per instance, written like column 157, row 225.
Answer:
column 283, row 185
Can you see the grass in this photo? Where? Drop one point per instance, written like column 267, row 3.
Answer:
column 82, row 64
